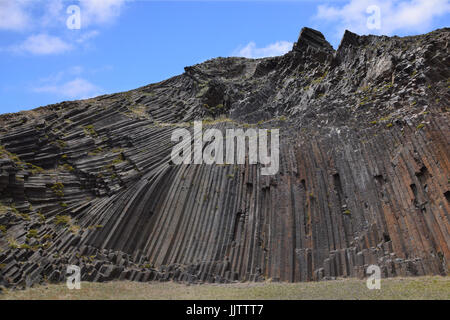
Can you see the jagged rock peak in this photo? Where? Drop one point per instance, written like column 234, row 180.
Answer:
column 349, row 38
column 312, row 38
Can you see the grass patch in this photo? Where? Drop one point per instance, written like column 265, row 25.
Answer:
column 62, row 220
column 32, row 233
column 12, row 243
column 3, row 208
column 66, row 167
column 89, row 130
column 58, row 189
column 422, row 288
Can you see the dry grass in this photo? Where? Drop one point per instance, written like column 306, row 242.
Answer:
column 398, row 288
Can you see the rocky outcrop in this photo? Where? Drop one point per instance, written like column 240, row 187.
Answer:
column 312, row 38
column 364, row 172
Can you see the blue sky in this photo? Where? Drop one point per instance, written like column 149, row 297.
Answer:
column 122, row 45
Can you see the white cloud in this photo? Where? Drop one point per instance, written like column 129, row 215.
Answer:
column 41, row 16
column 18, row 15
column 100, row 11
column 13, row 15
column 396, row 16
column 41, row 44
column 61, row 76
column 54, row 13
column 274, row 49
column 69, row 83
column 78, row 88
column 88, row 36
column 44, row 44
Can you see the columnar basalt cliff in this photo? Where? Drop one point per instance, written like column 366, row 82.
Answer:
column 364, row 171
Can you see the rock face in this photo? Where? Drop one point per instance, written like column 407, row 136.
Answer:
column 364, row 172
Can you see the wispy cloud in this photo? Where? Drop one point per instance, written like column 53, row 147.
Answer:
column 77, row 88
column 41, row 44
column 61, row 76
column 53, row 13
column 396, row 16
column 13, row 15
column 100, row 11
column 88, row 36
column 45, row 44
column 20, row 14
column 46, row 17
column 71, row 83
column 274, row 49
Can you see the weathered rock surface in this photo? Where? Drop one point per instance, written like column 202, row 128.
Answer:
column 364, row 172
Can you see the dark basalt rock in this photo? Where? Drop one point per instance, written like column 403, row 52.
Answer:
column 349, row 39
column 312, row 38
column 364, row 168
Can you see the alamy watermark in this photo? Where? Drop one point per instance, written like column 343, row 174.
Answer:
column 208, row 147
column 374, row 20
column 74, row 277
column 374, row 280
column 73, row 22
